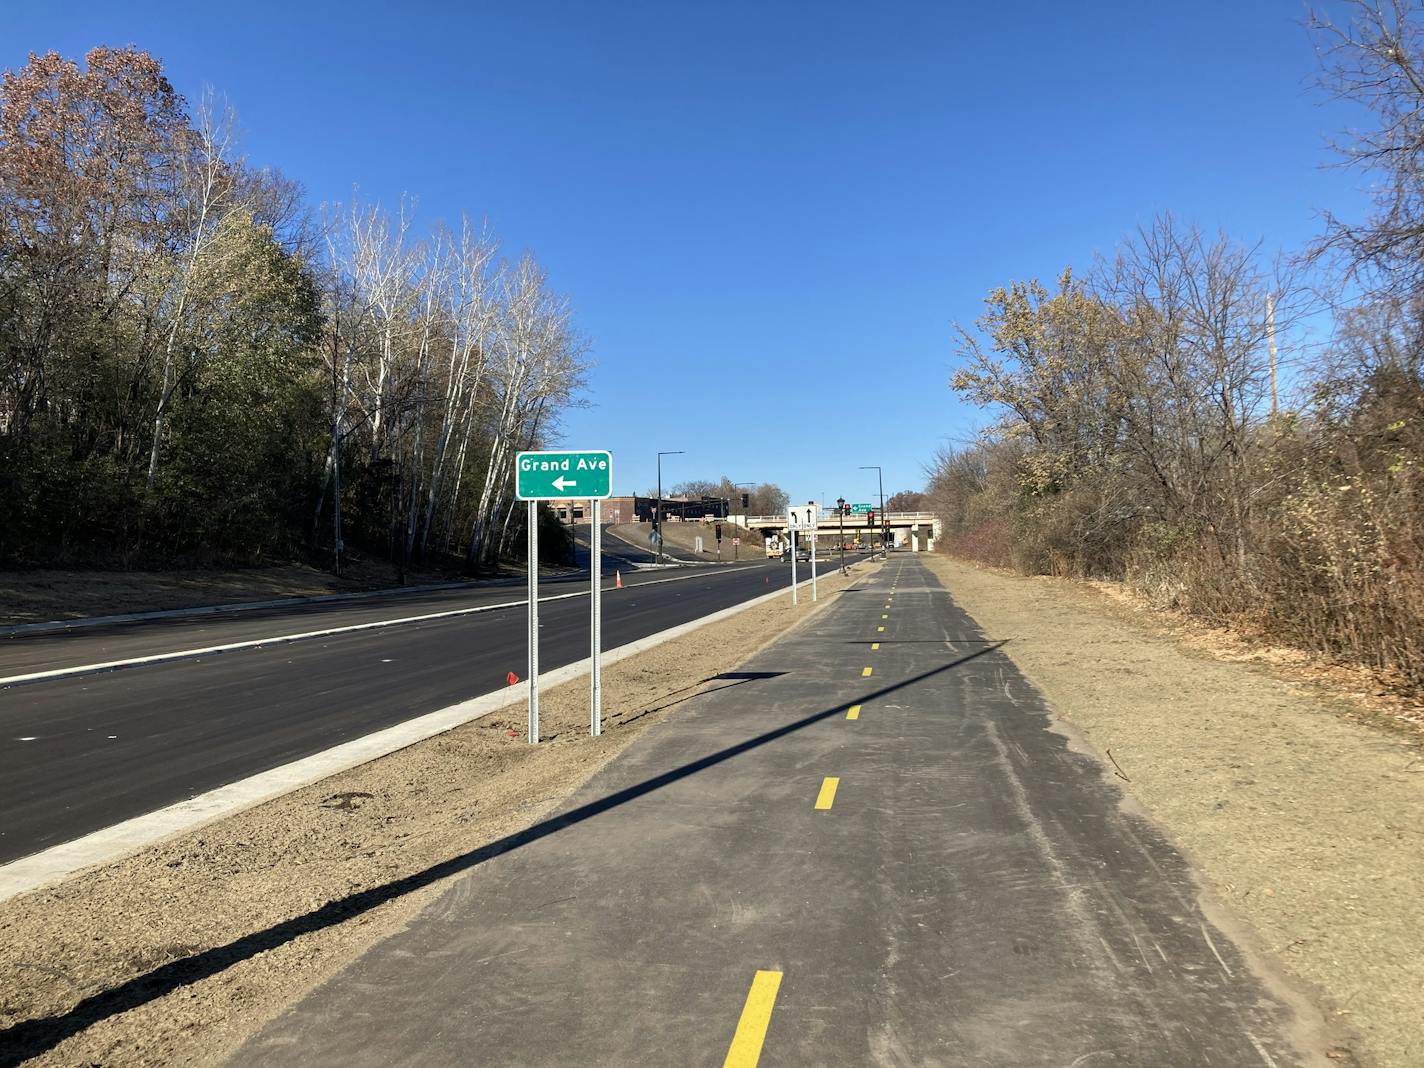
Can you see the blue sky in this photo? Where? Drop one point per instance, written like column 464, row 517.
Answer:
column 768, row 215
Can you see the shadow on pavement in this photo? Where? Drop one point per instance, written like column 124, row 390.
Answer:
column 33, row 1037
column 687, row 692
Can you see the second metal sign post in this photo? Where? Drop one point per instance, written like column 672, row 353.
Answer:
column 565, row 476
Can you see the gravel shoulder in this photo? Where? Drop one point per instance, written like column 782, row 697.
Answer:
column 1304, row 817
column 178, row 953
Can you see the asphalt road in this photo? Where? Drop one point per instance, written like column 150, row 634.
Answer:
column 851, row 855
column 81, row 753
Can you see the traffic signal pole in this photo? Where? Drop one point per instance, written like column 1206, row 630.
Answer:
column 841, row 506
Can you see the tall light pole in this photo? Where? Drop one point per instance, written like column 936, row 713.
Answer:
column 658, row 508
column 880, row 477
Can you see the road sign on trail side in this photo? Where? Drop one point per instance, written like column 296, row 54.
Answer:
column 562, row 476
column 802, row 516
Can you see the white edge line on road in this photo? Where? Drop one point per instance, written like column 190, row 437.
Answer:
column 277, row 639
column 109, row 844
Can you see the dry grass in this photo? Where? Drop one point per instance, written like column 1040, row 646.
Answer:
column 1308, row 822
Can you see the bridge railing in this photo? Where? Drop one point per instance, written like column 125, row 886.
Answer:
column 829, row 518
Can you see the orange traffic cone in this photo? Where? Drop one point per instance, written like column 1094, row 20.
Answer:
column 617, row 580
column 512, row 679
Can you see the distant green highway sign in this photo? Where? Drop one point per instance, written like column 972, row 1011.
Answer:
column 861, row 509
column 562, row 476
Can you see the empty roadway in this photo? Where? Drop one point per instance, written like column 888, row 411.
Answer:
column 105, row 747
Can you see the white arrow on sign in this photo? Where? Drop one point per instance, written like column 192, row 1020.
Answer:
column 562, row 483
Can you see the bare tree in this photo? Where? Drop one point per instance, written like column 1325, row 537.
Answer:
column 206, row 192
column 1376, row 58
column 463, row 277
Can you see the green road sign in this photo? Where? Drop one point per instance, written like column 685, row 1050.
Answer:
column 861, row 509
column 562, row 476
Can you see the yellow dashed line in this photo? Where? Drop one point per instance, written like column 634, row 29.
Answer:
column 881, row 629
column 884, row 617
column 865, row 674
column 745, row 1050
column 827, row 797
column 854, row 712
column 874, row 646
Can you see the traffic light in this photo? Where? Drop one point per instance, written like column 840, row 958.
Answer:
column 870, row 519
column 746, row 501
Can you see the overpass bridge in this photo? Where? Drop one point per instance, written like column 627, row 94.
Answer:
column 913, row 530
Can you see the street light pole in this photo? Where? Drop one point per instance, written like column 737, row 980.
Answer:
column 880, row 477
column 658, row 508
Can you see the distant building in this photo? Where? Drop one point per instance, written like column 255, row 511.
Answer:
column 640, row 509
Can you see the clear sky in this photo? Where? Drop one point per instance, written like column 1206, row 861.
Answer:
column 768, row 214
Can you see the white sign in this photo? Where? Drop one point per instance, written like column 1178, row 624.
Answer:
column 803, row 516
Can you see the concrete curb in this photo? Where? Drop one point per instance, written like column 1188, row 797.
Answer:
column 112, row 843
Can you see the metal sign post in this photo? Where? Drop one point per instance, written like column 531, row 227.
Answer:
column 595, row 676
column 802, row 519
column 533, row 734
column 814, row 539
column 565, row 476
column 792, row 535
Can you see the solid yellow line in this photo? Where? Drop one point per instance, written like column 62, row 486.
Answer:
column 827, row 796
column 865, row 674
column 745, row 1050
column 854, row 712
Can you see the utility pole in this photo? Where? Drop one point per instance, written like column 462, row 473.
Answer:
column 1271, row 335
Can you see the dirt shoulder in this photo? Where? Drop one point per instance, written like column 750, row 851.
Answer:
column 1306, row 819
column 682, row 538
column 175, row 955
column 42, row 596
